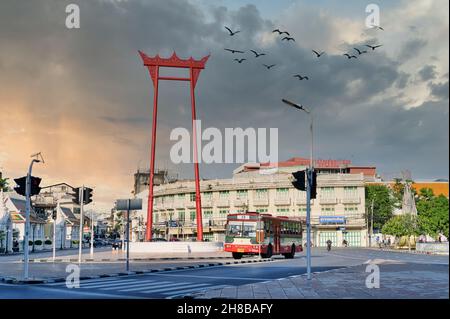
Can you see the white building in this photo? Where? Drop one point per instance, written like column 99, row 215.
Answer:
column 16, row 205
column 6, row 226
column 337, row 213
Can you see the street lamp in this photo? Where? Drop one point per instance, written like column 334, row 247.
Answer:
column 309, row 186
column 27, row 213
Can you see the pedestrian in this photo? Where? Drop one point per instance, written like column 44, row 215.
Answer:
column 389, row 241
column 329, row 242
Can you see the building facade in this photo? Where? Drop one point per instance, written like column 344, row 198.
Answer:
column 337, row 213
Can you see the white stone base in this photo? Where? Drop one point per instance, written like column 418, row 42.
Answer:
column 175, row 247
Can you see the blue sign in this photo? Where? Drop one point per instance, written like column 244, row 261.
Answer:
column 332, row 219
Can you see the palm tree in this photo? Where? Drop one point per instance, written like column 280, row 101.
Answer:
column 4, row 184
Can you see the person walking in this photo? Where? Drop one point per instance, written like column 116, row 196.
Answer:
column 329, row 242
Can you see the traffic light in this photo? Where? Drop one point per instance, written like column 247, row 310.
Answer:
column 54, row 214
column 35, row 189
column 87, row 195
column 299, row 180
column 21, row 185
column 314, row 185
column 76, row 195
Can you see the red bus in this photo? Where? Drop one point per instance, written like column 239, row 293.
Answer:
column 254, row 233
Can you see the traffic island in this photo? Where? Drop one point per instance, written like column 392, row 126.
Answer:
column 98, row 270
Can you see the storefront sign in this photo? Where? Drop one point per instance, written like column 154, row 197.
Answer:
column 332, row 219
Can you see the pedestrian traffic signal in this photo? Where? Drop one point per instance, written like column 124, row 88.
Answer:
column 35, row 189
column 314, row 185
column 21, row 185
column 299, row 180
column 87, row 195
column 76, row 195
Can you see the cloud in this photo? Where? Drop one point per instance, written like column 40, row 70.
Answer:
column 84, row 99
column 428, row 72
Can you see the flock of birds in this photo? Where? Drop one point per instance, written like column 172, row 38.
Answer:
column 286, row 36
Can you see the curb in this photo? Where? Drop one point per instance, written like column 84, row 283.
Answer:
column 12, row 280
column 70, row 260
column 414, row 252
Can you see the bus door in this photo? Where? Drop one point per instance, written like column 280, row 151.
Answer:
column 276, row 238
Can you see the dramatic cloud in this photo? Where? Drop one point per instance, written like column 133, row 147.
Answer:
column 83, row 97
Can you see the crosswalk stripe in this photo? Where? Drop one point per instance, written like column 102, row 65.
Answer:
column 146, row 286
column 87, row 281
column 180, row 292
column 175, row 288
column 102, row 285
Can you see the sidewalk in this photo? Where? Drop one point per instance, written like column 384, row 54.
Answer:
column 397, row 281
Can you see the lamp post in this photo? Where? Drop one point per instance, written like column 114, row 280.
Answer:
column 27, row 217
column 309, row 186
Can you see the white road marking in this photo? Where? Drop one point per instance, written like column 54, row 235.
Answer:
column 175, row 288
column 217, row 277
column 154, row 285
column 184, row 292
column 102, row 285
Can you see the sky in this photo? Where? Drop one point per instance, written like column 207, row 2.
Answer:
column 83, row 98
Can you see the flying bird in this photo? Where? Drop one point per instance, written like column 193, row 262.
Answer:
column 288, row 39
column 269, row 66
column 359, row 51
column 239, row 60
column 317, row 53
column 257, row 54
column 373, row 47
column 377, row 27
column 280, row 32
column 301, row 77
column 232, row 32
column 350, row 56
column 234, row 51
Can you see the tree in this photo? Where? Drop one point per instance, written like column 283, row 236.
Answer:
column 402, row 225
column 383, row 204
column 4, row 184
column 432, row 213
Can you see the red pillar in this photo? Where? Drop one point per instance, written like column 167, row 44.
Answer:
column 198, row 202
column 148, row 233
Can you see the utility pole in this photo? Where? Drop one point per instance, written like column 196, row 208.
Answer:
column 371, row 223
column 92, row 233
column 128, row 235
column 54, row 236
column 80, row 244
column 27, row 217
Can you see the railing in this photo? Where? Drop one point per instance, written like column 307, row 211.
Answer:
column 223, row 203
column 190, row 204
column 207, row 203
column 260, row 201
column 327, row 200
column 240, row 202
column 283, row 201
column 351, row 200
column 179, row 204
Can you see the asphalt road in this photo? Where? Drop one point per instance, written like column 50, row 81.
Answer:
column 175, row 284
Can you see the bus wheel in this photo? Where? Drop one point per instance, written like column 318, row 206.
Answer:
column 291, row 254
column 237, row 255
column 269, row 252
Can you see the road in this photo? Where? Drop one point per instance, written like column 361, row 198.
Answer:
column 177, row 283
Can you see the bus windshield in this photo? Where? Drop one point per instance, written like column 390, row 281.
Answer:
column 241, row 229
